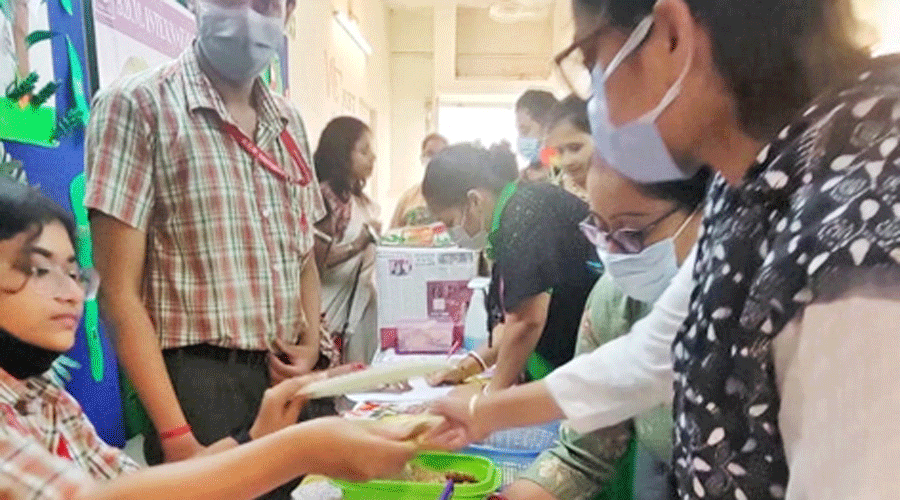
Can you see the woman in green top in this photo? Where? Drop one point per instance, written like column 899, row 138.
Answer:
column 539, row 279
column 643, row 234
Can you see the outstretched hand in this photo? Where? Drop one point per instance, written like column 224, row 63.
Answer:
column 360, row 451
column 281, row 405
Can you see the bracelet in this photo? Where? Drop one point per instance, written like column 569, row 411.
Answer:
column 473, row 402
column 479, row 359
column 176, row 432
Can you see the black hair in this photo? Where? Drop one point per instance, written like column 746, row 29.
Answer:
column 434, row 136
column 334, row 156
column 573, row 110
column 24, row 209
column 775, row 56
column 462, row 167
column 538, row 104
column 687, row 194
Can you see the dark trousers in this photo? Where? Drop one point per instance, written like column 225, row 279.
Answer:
column 220, row 390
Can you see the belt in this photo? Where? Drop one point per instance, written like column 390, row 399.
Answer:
column 223, row 354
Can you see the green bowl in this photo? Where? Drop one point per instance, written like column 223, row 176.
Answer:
column 488, row 475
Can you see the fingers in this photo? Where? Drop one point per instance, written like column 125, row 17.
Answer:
column 289, row 387
column 445, row 377
column 293, row 409
column 386, row 459
column 280, row 371
column 449, row 408
column 445, row 438
column 280, row 345
column 344, row 369
column 407, row 427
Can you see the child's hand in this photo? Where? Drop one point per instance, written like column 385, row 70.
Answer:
column 281, row 404
column 357, row 450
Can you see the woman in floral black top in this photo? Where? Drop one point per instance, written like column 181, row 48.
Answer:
column 785, row 374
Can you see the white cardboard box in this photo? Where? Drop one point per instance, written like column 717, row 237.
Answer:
column 423, row 289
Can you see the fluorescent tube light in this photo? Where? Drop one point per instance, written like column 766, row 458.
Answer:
column 352, row 28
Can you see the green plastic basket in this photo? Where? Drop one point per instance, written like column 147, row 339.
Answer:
column 489, row 479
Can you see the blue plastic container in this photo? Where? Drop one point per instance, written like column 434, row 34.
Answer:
column 513, row 450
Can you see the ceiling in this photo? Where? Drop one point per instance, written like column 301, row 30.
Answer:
column 412, row 4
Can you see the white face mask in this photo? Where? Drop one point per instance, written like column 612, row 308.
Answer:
column 529, row 148
column 644, row 276
column 635, row 149
column 461, row 237
column 238, row 41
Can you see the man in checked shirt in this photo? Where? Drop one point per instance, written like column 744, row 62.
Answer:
column 202, row 198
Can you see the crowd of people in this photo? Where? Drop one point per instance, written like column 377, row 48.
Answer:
column 697, row 268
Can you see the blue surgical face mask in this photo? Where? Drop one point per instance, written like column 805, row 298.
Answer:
column 635, row 149
column 238, row 41
column 529, row 148
column 644, row 276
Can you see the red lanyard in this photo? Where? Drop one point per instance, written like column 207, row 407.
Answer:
column 267, row 160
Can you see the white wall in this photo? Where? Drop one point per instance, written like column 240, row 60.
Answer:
column 412, row 94
column 883, row 16
column 412, row 66
column 331, row 76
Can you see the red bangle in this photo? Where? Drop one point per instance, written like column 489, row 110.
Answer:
column 176, row 432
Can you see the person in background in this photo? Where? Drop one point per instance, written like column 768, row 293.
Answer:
column 532, row 113
column 202, row 200
column 345, row 237
column 781, row 338
column 540, row 276
column 50, row 451
column 412, row 209
column 643, row 233
column 569, row 135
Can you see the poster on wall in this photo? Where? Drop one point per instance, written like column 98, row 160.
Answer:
column 27, row 80
column 134, row 35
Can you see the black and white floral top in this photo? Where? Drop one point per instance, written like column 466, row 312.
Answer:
column 820, row 208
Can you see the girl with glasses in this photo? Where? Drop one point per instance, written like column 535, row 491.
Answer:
column 49, row 449
column 642, row 233
column 780, row 341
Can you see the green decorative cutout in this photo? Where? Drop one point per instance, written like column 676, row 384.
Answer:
column 38, row 100
column 22, row 87
column 85, row 259
column 67, row 6
column 38, row 36
column 76, row 76
column 68, row 124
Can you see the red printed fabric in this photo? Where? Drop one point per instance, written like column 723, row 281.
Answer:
column 48, row 448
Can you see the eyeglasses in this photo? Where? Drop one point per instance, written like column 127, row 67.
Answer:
column 51, row 280
column 574, row 63
column 627, row 240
